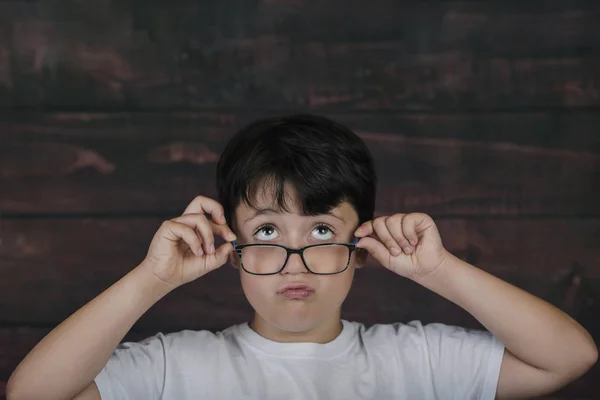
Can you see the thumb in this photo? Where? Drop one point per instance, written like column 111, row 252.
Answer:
column 219, row 258
column 376, row 249
column 221, row 255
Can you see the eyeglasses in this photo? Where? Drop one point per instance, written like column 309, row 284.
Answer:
column 270, row 259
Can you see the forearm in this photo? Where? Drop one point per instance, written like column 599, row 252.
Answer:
column 71, row 355
column 532, row 329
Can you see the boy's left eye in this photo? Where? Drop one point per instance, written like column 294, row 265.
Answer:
column 266, row 232
column 325, row 231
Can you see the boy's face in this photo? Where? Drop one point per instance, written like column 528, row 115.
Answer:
column 276, row 311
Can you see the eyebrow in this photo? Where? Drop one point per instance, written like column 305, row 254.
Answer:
column 266, row 211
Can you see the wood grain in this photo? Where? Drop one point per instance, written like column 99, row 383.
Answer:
column 445, row 164
column 113, row 115
column 439, row 55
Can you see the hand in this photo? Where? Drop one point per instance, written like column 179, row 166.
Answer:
column 182, row 249
column 407, row 244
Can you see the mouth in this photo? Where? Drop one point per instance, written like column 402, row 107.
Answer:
column 296, row 291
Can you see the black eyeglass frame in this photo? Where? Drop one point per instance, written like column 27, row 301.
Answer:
column 351, row 247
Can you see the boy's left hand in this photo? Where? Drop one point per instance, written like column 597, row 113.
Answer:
column 407, row 244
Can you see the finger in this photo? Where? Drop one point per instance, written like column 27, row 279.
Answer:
column 409, row 227
column 365, row 229
column 176, row 231
column 224, row 231
column 385, row 236
column 376, row 249
column 395, row 226
column 220, row 257
column 200, row 223
column 202, row 205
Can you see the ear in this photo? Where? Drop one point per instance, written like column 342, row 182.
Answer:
column 361, row 258
column 234, row 260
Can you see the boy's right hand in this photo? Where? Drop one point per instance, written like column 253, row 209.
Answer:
column 182, row 249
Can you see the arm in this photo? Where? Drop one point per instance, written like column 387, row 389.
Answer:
column 546, row 349
column 91, row 392
column 64, row 364
column 68, row 359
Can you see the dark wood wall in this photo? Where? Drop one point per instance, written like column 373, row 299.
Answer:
column 113, row 114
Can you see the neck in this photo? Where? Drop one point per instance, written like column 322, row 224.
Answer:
column 321, row 333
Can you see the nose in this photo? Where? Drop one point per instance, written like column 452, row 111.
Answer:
column 294, row 265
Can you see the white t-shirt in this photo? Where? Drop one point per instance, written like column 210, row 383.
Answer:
column 396, row 361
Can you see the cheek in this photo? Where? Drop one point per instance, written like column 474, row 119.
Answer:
column 336, row 289
column 256, row 288
column 338, row 286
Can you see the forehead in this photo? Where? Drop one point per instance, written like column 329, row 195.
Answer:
column 265, row 197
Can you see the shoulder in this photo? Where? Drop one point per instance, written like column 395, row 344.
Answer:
column 180, row 343
column 417, row 332
column 402, row 330
column 458, row 361
column 197, row 340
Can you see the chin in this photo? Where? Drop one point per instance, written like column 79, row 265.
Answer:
column 294, row 318
column 295, row 324
column 297, row 319
column 301, row 330
column 291, row 317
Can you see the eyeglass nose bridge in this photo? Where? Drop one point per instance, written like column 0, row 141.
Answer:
column 300, row 252
column 295, row 251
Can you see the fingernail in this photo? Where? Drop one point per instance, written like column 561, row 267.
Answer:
column 200, row 252
column 212, row 249
column 407, row 249
column 396, row 251
column 231, row 237
column 413, row 242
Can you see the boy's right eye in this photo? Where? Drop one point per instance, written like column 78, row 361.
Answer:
column 265, row 232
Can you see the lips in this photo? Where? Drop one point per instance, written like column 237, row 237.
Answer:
column 296, row 286
column 296, row 291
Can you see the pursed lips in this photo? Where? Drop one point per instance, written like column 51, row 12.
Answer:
column 296, row 286
column 296, row 291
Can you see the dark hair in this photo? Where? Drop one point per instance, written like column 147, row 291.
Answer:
column 325, row 162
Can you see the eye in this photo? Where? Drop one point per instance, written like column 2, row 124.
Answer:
column 266, row 232
column 323, row 232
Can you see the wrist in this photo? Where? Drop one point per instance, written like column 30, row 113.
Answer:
column 441, row 273
column 148, row 284
column 454, row 280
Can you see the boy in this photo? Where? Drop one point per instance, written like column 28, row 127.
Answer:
column 296, row 204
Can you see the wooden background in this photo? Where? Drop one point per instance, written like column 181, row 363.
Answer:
column 113, row 114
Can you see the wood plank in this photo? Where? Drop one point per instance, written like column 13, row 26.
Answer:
column 51, row 267
column 385, row 54
column 445, row 164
